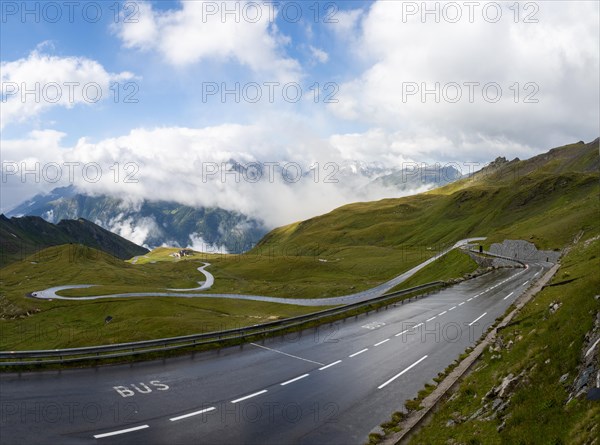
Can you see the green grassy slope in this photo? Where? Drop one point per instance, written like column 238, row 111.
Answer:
column 547, row 200
column 545, row 346
column 454, row 264
column 27, row 323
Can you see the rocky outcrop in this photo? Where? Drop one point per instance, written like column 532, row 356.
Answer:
column 587, row 381
column 524, row 251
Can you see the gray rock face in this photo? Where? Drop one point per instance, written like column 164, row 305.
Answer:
column 524, row 251
column 587, row 379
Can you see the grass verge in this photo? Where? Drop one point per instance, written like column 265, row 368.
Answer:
column 539, row 346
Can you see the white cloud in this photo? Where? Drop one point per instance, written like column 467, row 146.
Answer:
column 143, row 32
column 136, row 231
column 41, row 81
column 345, row 23
column 198, row 244
column 318, row 54
column 189, row 166
column 559, row 55
column 194, row 33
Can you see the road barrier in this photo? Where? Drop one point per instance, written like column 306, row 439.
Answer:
column 62, row 356
column 486, row 253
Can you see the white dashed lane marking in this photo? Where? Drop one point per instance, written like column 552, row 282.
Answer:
column 294, row 379
column 330, row 365
column 357, row 353
column 195, row 413
column 478, row 318
column 401, row 372
column 381, row 342
column 114, row 433
column 249, row 396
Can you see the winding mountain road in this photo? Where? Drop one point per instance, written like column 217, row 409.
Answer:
column 51, row 293
column 326, row 385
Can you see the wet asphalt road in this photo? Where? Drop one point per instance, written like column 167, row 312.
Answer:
column 328, row 385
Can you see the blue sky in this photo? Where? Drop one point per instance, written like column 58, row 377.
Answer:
column 379, row 60
column 167, row 95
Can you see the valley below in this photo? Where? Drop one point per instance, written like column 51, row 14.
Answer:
column 534, row 214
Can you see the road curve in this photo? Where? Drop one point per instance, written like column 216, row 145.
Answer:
column 206, row 284
column 51, row 293
column 328, row 385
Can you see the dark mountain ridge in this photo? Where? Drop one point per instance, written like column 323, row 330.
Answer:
column 21, row 237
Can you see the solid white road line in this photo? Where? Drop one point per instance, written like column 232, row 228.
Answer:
column 381, row 342
column 400, row 333
column 114, row 433
column 402, row 372
column 429, row 319
column 249, row 396
column 452, row 308
column 295, row 379
column 195, row 413
column 285, row 353
column 359, row 352
column 442, row 313
column 478, row 318
column 330, row 365
column 508, row 295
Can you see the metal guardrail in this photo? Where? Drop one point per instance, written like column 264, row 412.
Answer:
column 485, row 252
column 60, row 356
